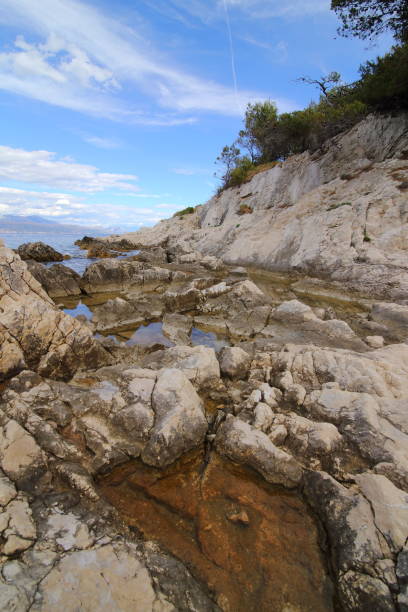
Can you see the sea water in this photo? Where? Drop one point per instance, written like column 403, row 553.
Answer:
column 63, row 243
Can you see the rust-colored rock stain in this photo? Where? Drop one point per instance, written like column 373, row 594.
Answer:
column 254, row 545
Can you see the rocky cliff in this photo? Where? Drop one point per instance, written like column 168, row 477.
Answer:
column 339, row 213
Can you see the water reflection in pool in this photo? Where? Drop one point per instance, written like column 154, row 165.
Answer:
column 199, row 337
column 149, row 334
column 80, row 309
column 152, row 333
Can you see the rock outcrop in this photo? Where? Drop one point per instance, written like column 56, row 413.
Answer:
column 34, row 333
column 275, row 469
column 38, row 251
column 57, row 280
column 338, row 213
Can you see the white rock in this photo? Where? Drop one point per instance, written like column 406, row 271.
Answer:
column 375, row 341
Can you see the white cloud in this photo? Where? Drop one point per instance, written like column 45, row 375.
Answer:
column 42, row 167
column 86, row 61
column 25, row 202
column 67, row 208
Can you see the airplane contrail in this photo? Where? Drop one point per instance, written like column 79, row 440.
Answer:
column 233, row 67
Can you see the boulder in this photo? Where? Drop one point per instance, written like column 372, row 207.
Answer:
column 375, row 341
column 198, row 363
column 245, row 444
column 180, row 424
column 57, row 280
column 100, row 250
column 155, row 255
column 355, row 542
column 234, row 362
column 36, row 334
column 112, row 275
column 38, row 251
column 390, row 314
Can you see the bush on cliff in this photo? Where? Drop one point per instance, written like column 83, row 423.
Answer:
column 270, row 137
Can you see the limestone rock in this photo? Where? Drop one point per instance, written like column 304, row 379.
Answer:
column 312, row 212
column 111, row 275
column 244, row 444
column 177, row 328
column 390, row 507
column 38, row 251
column 180, row 423
column 234, row 362
column 375, row 341
column 34, row 333
column 198, row 363
column 103, row 579
column 57, row 280
column 100, row 250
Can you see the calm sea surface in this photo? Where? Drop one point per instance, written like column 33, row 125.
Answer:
column 64, row 243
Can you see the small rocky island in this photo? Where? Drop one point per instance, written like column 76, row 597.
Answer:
column 224, row 424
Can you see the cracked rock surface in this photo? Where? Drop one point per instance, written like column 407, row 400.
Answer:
column 271, row 474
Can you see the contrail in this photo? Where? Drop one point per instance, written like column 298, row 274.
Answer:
column 234, row 71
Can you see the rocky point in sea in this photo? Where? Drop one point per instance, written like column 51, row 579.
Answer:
column 254, row 453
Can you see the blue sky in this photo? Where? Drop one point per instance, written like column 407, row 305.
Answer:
column 114, row 112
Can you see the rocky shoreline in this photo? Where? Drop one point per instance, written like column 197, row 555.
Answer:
column 251, row 451
column 305, row 403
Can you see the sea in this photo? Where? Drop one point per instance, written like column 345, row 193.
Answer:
column 63, row 243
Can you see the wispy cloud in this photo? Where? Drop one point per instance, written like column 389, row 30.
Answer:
column 102, row 143
column 208, row 11
column 187, row 171
column 278, row 52
column 88, row 61
column 42, row 167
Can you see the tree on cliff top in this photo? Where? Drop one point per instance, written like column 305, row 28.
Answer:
column 368, row 18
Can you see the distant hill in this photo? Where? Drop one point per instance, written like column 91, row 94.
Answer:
column 34, row 224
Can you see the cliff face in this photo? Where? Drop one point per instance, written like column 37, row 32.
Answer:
column 340, row 213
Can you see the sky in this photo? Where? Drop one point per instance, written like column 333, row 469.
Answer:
column 113, row 113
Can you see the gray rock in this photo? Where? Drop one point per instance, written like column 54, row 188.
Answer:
column 57, row 280
column 244, row 444
column 180, row 424
column 38, row 251
column 234, row 362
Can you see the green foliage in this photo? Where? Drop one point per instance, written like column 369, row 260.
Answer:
column 384, row 82
column 228, row 159
column 240, row 173
column 258, row 118
column 366, row 237
column 368, row 18
column 186, row 211
column 269, row 137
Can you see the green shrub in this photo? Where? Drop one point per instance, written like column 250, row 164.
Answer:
column 240, row 173
column 272, row 138
column 186, row 211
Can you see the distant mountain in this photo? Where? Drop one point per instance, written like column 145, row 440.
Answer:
column 34, row 224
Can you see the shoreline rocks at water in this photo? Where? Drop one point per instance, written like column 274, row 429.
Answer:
column 339, row 214
column 39, row 251
column 270, row 474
